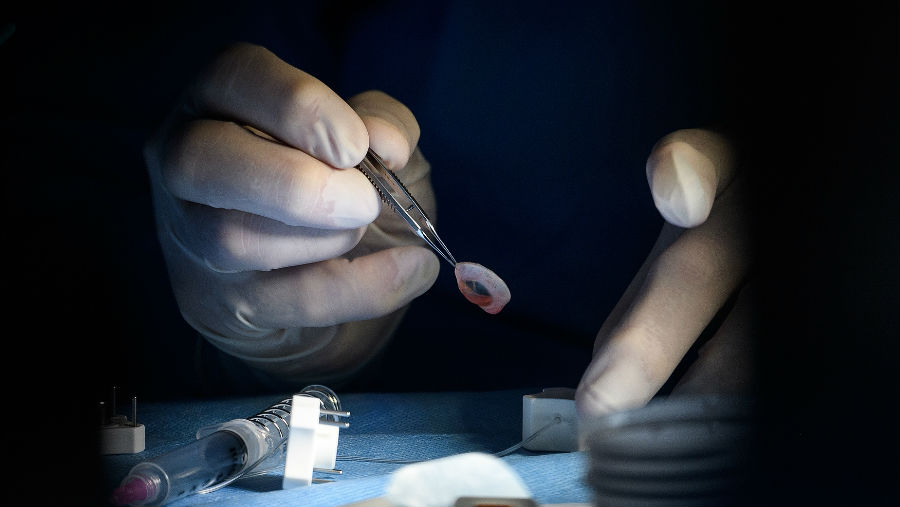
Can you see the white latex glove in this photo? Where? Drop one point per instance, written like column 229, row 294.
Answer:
column 278, row 250
column 699, row 260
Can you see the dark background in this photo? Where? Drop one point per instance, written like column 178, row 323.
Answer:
column 539, row 116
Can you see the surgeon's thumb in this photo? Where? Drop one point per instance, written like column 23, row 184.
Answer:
column 409, row 271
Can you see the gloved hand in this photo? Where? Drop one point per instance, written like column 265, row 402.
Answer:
column 699, row 261
column 278, row 250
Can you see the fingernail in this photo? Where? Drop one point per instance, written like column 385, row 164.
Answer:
column 683, row 183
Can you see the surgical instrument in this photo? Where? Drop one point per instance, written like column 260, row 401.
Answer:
column 394, row 193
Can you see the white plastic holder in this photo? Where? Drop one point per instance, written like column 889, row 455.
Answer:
column 121, row 436
column 551, row 413
column 310, row 445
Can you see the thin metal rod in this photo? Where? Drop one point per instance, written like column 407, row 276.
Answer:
column 339, row 424
column 339, row 413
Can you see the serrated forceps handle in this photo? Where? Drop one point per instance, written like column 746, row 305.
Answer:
column 395, row 194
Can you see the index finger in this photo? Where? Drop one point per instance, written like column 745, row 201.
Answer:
column 686, row 279
column 393, row 129
column 250, row 84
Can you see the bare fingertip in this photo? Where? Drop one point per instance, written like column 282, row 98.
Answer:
column 681, row 208
column 683, row 184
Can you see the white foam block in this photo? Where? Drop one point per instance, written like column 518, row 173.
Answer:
column 440, row 482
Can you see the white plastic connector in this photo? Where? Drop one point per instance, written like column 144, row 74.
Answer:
column 118, row 435
column 121, row 436
column 310, row 444
column 551, row 414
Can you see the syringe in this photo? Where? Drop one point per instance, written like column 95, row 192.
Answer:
column 221, row 454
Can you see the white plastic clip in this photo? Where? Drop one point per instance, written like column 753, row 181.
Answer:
column 118, row 435
column 550, row 414
column 312, row 442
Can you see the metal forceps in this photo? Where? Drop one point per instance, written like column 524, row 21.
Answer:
column 395, row 194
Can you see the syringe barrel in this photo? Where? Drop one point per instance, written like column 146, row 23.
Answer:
column 219, row 454
column 190, row 468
